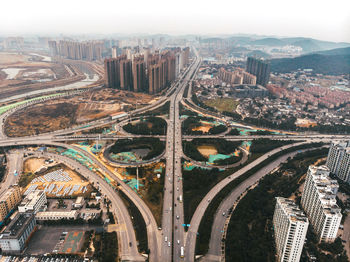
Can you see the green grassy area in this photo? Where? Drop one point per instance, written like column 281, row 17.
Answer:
column 106, row 247
column 147, row 126
column 223, row 104
column 152, row 191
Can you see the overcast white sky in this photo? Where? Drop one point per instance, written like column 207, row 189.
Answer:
column 321, row 19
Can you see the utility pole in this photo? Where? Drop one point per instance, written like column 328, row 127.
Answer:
column 137, row 178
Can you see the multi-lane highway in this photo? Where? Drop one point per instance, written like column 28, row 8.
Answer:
column 172, row 217
column 170, row 242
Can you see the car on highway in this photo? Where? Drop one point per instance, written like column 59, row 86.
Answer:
column 169, row 244
column 177, row 217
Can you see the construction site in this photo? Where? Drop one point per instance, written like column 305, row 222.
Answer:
column 61, row 113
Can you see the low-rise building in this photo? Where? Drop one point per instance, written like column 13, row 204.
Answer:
column 34, row 202
column 56, row 215
column 16, row 234
column 79, row 202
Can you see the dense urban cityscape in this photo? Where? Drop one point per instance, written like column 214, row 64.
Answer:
column 122, row 141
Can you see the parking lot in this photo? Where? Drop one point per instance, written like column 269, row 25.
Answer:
column 44, row 240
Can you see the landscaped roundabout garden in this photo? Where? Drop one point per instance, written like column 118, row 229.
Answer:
column 216, row 151
column 149, row 125
column 135, row 150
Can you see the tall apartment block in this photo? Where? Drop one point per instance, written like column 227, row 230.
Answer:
column 125, row 74
column 290, row 226
column 112, row 72
column 319, row 203
column 139, row 74
column 238, row 77
column 9, row 201
column 338, row 160
column 259, row 68
column 150, row 72
column 89, row 51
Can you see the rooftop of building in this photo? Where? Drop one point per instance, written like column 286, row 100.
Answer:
column 32, row 198
column 17, row 225
column 327, row 189
column 56, row 213
column 8, row 192
column 341, row 144
column 294, row 213
column 249, row 87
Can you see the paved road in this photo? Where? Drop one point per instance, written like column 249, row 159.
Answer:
column 14, row 163
column 198, row 214
column 126, row 233
column 346, row 235
column 172, row 217
column 151, row 224
column 214, row 252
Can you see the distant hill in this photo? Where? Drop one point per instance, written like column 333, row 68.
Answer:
column 321, row 64
column 307, row 44
column 337, row 51
column 269, row 42
column 259, row 54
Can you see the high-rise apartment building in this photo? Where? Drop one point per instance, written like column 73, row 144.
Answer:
column 9, row 201
column 112, row 72
column 319, row 203
column 259, row 68
column 238, row 77
column 125, row 74
column 154, row 77
column 89, row 51
column 114, row 52
column 290, row 227
column 151, row 72
column 338, row 160
column 139, row 74
column 53, row 48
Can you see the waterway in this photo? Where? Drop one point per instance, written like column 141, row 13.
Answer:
column 45, row 58
column 11, row 72
column 85, row 82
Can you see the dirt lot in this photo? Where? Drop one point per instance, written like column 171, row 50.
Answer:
column 65, row 112
column 41, row 118
column 223, row 104
column 33, row 164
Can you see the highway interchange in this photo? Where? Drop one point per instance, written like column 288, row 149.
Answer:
column 169, row 242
